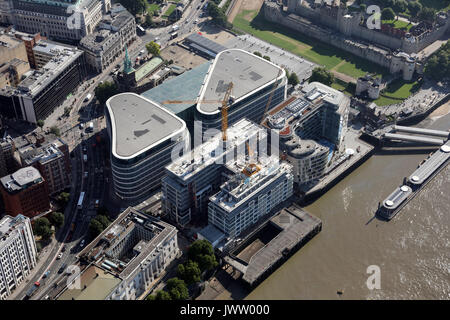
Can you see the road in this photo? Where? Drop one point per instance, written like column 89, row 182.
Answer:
column 94, row 183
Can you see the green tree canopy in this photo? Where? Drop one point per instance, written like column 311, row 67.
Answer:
column 153, row 48
column 135, row 6
column 63, row 198
column 95, row 228
column 177, row 289
column 322, row 75
column 427, row 14
column 105, row 90
column 387, row 14
column 414, row 8
column 201, row 251
column 40, row 123
column 438, row 65
column 42, row 228
column 57, row 219
column 257, row 53
column 55, row 130
column 293, row 79
column 267, row 58
column 189, row 272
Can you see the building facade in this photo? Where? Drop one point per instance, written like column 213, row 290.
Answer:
column 18, row 253
column 43, row 90
column 253, row 79
column 192, row 179
column 58, row 20
column 115, row 32
column 25, row 192
column 252, row 193
column 134, row 251
column 53, row 162
column 143, row 136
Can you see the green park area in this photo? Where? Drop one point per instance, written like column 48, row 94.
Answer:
column 334, row 59
column 152, row 8
column 169, row 11
column 398, row 24
column 397, row 91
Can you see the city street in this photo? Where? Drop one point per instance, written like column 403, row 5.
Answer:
column 90, row 176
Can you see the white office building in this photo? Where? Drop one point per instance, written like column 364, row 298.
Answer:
column 17, row 253
column 142, row 135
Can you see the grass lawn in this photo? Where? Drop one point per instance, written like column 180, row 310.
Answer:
column 169, row 10
column 152, row 8
column 397, row 91
column 311, row 49
column 398, row 24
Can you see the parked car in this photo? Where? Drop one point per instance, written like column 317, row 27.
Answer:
column 61, row 270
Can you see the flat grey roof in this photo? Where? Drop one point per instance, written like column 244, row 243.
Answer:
column 435, row 161
column 249, row 73
column 138, row 124
column 205, row 43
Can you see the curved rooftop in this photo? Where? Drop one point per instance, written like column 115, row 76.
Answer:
column 139, row 124
column 249, row 73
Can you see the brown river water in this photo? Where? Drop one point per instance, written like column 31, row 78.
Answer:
column 412, row 250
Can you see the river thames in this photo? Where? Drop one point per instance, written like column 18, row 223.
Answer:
column 412, row 250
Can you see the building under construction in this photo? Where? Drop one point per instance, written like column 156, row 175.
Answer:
column 192, row 179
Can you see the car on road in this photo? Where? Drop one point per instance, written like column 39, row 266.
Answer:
column 64, row 249
column 59, row 256
column 63, row 267
column 157, row 38
column 86, row 174
column 37, row 283
column 82, row 243
column 46, row 274
column 196, row 21
column 142, row 52
column 88, row 97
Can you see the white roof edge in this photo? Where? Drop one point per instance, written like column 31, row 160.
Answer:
column 203, row 89
column 113, row 126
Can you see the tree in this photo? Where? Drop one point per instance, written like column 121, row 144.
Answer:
column 438, row 65
column 160, row 295
column 400, row 5
column 387, row 14
column 95, row 228
column 153, row 48
column 257, row 53
column 414, row 8
column 201, row 251
column 40, row 123
column 363, row 7
column 42, row 228
column 105, row 90
column 103, row 220
column 134, row 6
column 267, row 58
column 427, row 14
column 189, row 272
column 218, row 15
column 177, row 289
column 148, row 20
column 293, row 79
column 57, row 219
column 322, row 75
column 55, row 130
column 63, row 198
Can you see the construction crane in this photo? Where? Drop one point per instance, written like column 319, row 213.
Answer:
column 275, row 86
column 225, row 102
column 224, row 108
